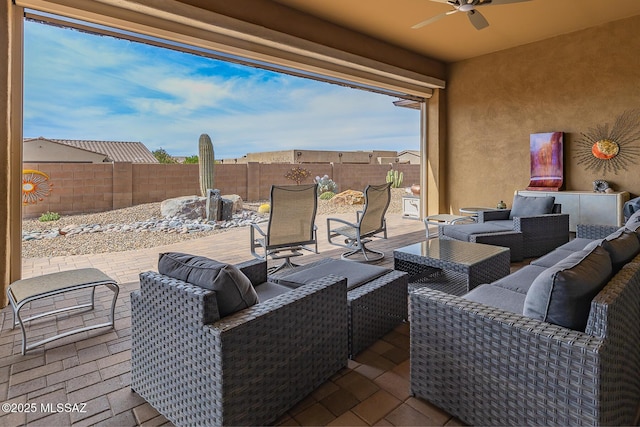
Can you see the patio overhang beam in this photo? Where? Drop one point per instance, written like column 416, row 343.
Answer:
column 202, row 30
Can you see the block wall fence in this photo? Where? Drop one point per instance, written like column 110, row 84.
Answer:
column 87, row 187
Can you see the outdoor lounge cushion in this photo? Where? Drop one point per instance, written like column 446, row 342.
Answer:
column 562, row 294
column 497, row 296
column 268, row 290
column 355, row 273
column 233, row 289
column 520, row 281
column 633, row 223
column 531, row 206
column 622, row 245
column 463, row 231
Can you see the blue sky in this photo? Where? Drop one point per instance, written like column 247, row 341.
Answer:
column 82, row 86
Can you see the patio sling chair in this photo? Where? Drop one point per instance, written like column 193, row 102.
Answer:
column 370, row 222
column 291, row 225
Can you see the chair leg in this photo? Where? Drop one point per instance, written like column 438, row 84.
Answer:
column 369, row 255
column 286, row 264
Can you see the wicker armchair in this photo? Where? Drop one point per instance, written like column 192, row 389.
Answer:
column 489, row 366
column 245, row 369
column 526, row 236
column 540, row 233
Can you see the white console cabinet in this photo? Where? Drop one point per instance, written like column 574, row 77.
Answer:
column 586, row 207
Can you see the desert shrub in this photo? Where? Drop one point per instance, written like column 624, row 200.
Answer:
column 327, row 195
column 49, row 216
column 264, row 208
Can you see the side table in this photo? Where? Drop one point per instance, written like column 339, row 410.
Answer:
column 440, row 219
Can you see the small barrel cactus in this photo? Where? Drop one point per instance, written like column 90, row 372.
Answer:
column 264, row 208
column 206, row 163
column 395, row 178
column 327, row 195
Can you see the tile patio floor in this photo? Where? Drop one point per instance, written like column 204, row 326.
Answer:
column 95, row 368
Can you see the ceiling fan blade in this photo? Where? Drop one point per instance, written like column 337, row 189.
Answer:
column 432, row 20
column 496, row 2
column 477, row 20
column 441, row 1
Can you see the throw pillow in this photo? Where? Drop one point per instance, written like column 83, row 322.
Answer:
column 562, row 294
column 633, row 223
column 531, row 206
column 234, row 290
column 622, row 245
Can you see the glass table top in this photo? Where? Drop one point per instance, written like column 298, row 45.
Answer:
column 453, row 251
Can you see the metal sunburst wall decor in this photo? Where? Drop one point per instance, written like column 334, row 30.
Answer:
column 611, row 149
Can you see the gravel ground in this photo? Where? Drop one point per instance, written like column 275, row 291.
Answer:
column 116, row 242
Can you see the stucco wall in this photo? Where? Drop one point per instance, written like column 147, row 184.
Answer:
column 569, row 83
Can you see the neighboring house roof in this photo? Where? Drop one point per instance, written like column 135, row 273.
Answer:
column 116, row 151
column 410, row 152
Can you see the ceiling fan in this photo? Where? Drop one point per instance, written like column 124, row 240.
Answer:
column 470, row 7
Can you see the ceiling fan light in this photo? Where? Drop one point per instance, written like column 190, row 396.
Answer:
column 466, row 7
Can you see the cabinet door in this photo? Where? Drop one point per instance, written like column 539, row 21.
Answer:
column 570, row 204
column 598, row 209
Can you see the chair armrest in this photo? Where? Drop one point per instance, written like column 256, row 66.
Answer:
column 197, row 306
column 548, row 223
column 340, row 220
column 594, row 231
column 493, row 215
column 494, row 358
column 255, row 270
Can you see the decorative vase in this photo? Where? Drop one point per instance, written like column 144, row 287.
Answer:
column 502, row 205
column 415, row 189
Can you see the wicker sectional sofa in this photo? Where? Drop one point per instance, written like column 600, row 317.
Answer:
column 197, row 367
column 481, row 359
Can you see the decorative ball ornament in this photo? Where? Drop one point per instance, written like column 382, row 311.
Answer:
column 610, row 149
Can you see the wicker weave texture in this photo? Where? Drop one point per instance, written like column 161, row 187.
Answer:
column 485, row 268
column 542, row 234
column 491, row 367
column 375, row 308
column 245, row 369
column 594, row 231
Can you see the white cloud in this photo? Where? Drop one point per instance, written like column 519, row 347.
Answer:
column 79, row 86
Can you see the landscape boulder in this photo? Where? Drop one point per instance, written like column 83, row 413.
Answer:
column 186, row 207
column 237, row 202
column 348, row 197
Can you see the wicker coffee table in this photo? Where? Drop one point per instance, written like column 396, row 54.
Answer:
column 451, row 266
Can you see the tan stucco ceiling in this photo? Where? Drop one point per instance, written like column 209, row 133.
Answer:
column 453, row 38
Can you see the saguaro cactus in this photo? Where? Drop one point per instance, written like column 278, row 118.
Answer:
column 395, row 178
column 206, row 163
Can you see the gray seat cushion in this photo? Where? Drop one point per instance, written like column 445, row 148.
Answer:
column 496, row 296
column 355, row 273
column 552, row 258
column 521, row 280
column 463, row 231
column 576, row 244
column 562, row 294
column 531, row 206
column 268, row 290
column 234, row 290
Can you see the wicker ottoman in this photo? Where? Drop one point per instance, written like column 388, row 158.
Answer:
column 376, row 296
